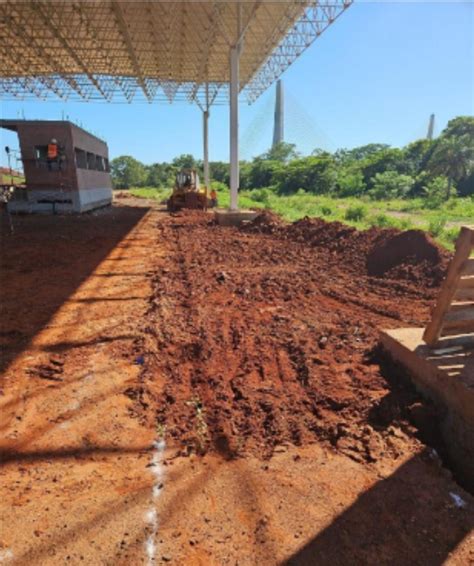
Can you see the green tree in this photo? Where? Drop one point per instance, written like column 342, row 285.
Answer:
column 219, row 171
column 350, row 182
column 313, row 174
column 453, row 157
column 460, row 126
column 283, row 152
column 390, row 184
column 435, row 191
column 359, row 153
column 126, row 172
column 263, row 173
column 415, row 155
column 160, row 175
column 387, row 159
column 184, row 161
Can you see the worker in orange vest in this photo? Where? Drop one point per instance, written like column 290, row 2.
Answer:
column 213, row 196
column 53, row 153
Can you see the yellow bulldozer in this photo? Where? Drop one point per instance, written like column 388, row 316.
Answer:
column 187, row 192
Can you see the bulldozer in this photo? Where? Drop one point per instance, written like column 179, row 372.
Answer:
column 187, row 192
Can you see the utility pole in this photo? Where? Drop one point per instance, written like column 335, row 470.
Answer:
column 278, row 126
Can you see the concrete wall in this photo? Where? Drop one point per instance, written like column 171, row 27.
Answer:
column 95, row 187
column 447, row 380
column 33, row 134
column 72, row 189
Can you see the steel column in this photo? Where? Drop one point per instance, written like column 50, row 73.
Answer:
column 234, row 127
column 205, row 132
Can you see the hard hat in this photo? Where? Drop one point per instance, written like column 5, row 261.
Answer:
column 54, row 140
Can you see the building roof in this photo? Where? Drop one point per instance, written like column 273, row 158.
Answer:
column 13, row 124
column 163, row 50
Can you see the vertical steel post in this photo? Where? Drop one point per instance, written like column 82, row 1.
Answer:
column 205, row 128
column 234, row 127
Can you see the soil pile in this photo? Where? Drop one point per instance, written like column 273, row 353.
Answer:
column 267, row 222
column 410, row 256
column 253, row 341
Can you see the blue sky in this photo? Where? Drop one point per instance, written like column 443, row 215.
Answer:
column 374, row 76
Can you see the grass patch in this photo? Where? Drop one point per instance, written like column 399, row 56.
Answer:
column 361, row 213
column 151, row 193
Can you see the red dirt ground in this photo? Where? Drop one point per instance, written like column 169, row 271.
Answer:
column 254, row 353
column 275, row 336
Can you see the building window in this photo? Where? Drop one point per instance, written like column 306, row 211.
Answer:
column 100, row 163
column 81, row 158
column 91, row 161
column 41, row 152
column 42, row 161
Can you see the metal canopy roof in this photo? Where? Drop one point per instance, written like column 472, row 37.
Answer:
column 162, row 50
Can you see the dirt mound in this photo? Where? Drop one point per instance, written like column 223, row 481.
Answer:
column 410, row 255
column 349, row 244
column 267, row 222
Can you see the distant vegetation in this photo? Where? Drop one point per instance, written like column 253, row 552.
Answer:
column 435, row 170
column 429, row 184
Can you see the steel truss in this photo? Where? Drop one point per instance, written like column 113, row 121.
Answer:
column 165, row 51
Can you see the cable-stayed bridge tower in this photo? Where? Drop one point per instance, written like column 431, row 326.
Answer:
column 278, row 127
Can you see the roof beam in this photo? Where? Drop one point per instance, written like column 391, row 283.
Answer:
column 202, row 72
column 39, row 6
column 130, row 50
column 96, row 48
column 31, row 43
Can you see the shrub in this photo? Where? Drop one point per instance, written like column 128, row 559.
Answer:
column 315, row 174
column 436, row 226
column 435, row 192
column 404, row 224
column 219, row 187
column 451, row 234
column 356, row 213
column 390, row 184
column 381, row 221
column 326, row 210
column 261, row 195
column 350, row 183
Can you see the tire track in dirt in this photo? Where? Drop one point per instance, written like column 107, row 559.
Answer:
column 257, row 341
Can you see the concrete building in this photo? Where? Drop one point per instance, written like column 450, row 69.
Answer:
column 77, row 181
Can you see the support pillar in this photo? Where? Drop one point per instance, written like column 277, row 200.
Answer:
column 234, row 127
column 205, row 132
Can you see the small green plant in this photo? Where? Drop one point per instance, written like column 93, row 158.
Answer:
column 405, row 224
column 436, row 226
column 451, row 234
column 356, row 213
column 202, row 430
column 261, row 195
column 380, row 221
column 160, row 430
column 326, row 210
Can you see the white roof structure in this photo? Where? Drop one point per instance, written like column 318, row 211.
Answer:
column 160, row 50
column 200, row 51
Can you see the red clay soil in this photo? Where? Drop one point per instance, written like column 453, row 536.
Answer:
column 254, row 353
column 273, row 337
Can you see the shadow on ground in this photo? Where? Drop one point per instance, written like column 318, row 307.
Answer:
column 397, row 521
column 45, row 260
